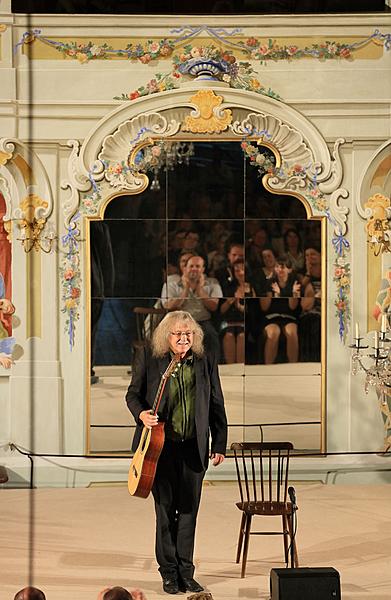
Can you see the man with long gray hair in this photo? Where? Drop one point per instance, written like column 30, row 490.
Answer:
column 192, row 408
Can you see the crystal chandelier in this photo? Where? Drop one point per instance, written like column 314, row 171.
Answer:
column 163, row 155
column 377, row 364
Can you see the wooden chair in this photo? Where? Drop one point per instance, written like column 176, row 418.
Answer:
column 147, row 320
column 262, row 472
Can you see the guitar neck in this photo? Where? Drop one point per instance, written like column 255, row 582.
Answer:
column 162, row 384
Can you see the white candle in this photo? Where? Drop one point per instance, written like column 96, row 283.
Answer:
column 357, row 331
column 376, row 340
column 383, row 323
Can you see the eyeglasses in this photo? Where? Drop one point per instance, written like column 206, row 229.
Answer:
column 179, row 334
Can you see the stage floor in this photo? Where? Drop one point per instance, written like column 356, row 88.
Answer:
column 86, row 539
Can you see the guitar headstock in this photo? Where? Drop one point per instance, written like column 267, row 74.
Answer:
column 172, row 367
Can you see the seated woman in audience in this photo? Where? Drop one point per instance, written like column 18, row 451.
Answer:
column 281, row 309
column 232, row 312
column 293, row 249
column 310, row 322
column 313, row 267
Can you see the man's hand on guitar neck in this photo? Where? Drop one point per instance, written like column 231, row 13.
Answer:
column 148, row 418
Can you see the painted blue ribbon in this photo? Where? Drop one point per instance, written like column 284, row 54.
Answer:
column 340, row 244
column 23, row 39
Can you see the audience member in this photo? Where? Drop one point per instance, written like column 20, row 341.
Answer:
column 310, row 319
column 269, row 262
column 255, row 245
column 198, row 295
column 30, row 593
column 119, row 593
column 216, row 257
column 225, row 275
column 281, row 308
column 293, row 249
column 232, row 310
column 313, row 267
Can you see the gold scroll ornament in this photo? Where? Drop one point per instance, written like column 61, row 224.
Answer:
column 208, row 117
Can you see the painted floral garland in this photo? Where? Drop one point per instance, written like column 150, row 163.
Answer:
column 256, row 48
column 237, row 74
column 316, row 198
column 71, row 278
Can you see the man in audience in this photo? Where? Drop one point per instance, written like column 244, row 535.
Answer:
column 225, row 275
column 30, row 593
column 198, row 295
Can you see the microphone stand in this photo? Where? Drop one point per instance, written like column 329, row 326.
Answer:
column 292, row 497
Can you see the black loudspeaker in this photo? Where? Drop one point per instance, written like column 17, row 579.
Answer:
column 306, row 583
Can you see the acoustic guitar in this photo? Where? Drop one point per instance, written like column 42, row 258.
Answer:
column 143, row 466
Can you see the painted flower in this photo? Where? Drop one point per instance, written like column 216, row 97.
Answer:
column 344, row 281
column 291, row 50
column 87, row 202
column 96, row 50
column 345, row 53
column 75, row 292
column 263, row 50
column 70, row 303
column 255, row 83
column 341, row 305
column 321, row 204
column 134, row 95
column 176, row 74
column 184, row 57
column 152, row 86
column 145, row 59
column 81, row 57
column 196, row 52
column 165, row 50
column 229, row 58
column 260, row 159
column 69, row 273
column 252, row 41
column 226, row 77
column 153, row 47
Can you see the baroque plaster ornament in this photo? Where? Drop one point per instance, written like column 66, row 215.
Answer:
column 378, row 223
column 32, row 223
column 208, row 117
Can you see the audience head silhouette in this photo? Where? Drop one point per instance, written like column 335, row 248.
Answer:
column 116, row 593
column 30, row 593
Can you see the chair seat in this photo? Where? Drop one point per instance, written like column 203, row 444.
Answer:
column 265, row 508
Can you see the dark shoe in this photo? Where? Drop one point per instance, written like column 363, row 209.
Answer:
column 191, row 585
column 170, row 586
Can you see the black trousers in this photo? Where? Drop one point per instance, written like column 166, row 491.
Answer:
column 177, row 493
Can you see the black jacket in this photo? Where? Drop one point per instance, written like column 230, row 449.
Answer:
column 210, row 417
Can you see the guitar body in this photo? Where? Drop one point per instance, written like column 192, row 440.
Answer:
column 143, row 466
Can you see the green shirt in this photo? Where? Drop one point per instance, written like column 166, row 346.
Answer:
column 180, row 423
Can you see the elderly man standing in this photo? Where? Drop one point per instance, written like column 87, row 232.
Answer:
column 192, row 409
column 197, row 294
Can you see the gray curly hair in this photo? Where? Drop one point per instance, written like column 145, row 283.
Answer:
column 160, row 338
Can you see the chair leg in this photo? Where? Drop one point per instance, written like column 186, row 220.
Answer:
column 285, row 531
column 246, row 541
column 293, row 542
column 240, row 540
